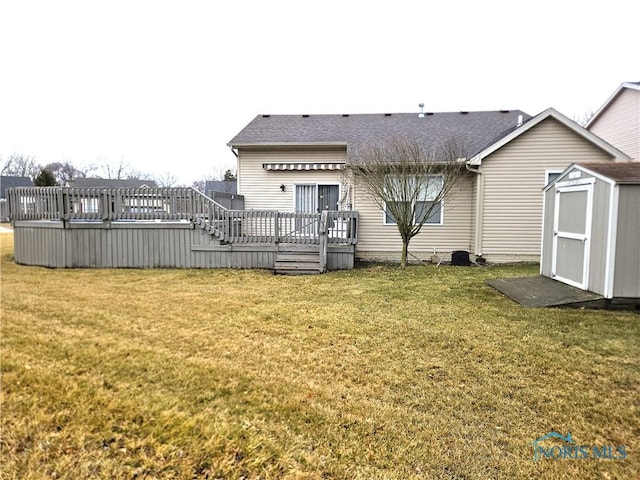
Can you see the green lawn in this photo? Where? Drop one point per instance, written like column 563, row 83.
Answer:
column 375, row 373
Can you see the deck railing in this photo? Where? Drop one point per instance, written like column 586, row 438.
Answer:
column 181, row 204
column 271, row 226
column 106, row 204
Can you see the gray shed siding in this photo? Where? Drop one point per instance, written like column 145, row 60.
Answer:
column 599, row 236
column 627, row 274
column 623, row 228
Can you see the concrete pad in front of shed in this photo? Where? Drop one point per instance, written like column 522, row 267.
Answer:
column 544, row 292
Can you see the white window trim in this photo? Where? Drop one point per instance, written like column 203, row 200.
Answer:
column 551, row 171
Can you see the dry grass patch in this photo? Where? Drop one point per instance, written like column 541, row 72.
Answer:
column 372, row 373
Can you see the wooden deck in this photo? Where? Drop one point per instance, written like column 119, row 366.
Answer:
column 169, row 228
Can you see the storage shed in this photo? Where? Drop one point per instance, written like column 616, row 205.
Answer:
column 591, row 229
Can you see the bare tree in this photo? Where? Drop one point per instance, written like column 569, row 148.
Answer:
column 217, row 173
column 19, row 165
column 222, row 172
column 122, row 170
column 583, row 119
column 166, row 179
column 407, row 183
column 200, row 184
column 115, row 171
column 66, row 172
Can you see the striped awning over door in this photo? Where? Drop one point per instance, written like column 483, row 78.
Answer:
column 303, row 166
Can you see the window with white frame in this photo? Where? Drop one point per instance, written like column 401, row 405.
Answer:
column 424, row 199
column 552, row 175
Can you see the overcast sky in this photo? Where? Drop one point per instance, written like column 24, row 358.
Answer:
column 164, row 85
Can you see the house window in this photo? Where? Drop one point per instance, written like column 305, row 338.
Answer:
column 314, row 198
column 429, row 193
column 552, row 175
column 435, row 216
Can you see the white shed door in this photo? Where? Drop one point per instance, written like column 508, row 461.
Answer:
column 571, row 234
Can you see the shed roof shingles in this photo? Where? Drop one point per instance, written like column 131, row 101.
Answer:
column 620, row 172
column 474, row 130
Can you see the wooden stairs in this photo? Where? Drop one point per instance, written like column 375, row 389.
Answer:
column 298, row 260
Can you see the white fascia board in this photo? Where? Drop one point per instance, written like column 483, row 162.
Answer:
column 287, row 144
column 553, row 113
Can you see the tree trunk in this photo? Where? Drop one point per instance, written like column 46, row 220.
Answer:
column 403, row 256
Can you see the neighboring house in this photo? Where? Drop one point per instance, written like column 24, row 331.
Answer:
column 618, row 120
column 225, row 193
column 7, row 182
column 224, row 186
column 89, row 201
column 301, row 163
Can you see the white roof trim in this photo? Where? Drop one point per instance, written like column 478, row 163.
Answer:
column 606, row 104
column 300, row 167
column 287, row 144
column 549, row 112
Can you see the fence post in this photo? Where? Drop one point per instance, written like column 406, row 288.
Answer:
column 324, row 233
column 64, row 206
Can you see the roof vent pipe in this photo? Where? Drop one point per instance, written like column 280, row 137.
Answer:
column 421, row 114
column 519, row 120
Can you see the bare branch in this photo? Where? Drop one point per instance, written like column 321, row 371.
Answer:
column 19, row 165
column 166, row 179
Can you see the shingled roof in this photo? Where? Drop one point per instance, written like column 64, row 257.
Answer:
column 619, row 172
column 473, row 130
column 8, row 182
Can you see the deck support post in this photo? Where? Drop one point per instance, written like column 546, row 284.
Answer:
column 323, row 237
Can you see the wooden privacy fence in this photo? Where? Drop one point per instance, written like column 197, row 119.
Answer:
column 70, row 204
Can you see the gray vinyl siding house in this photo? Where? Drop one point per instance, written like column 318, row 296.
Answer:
column 496, row 211
column 592, row 228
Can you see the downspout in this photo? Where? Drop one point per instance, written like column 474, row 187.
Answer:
column 477, row 240
column 234, row 151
